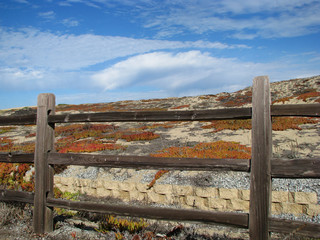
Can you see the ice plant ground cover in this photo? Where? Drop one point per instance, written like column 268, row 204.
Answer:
column 278, row 124
column 79, row 138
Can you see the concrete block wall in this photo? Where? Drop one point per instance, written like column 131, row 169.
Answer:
column 205, row 198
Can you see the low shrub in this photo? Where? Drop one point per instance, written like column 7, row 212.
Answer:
column 118, row 225
column 156, row 177
column 12, row 176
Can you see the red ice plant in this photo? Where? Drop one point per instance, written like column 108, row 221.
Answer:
column 89, row 146
column 278, row 123
column 131, row 136
column 218, row 150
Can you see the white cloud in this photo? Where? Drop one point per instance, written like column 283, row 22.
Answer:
column 246, row 19
column 68, row 22
column 22, row 1
column 34, row 59
column 50, row 15
column 32, row 48
column 89, row 97
column 178, row 72
column 86, row 2
column 16, row 77
column 193, row 73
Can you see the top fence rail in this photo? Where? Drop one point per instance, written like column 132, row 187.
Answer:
column 302, row 110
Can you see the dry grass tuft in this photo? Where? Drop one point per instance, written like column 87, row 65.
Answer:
column 11, row 212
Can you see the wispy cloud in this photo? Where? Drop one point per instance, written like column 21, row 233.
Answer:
column 69, row 22
column 245, row 19
column 32, row 48
column 22, row 1
column 33, row 58
column 89, row 3
column 50, row 15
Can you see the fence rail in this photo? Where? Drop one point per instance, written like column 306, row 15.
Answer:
column 280, row 167
column 261, row 166
column 302, row 110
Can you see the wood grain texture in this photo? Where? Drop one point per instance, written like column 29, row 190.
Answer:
column 295, row 168
column 154, row 116
column 295, row 227
column 30, row 119
column 16, row 196
column 307, row 110
column 303, row 110
column 42, row 217
column 144, row 162
column 260, row 178
column 227, row 218
column 17, row 158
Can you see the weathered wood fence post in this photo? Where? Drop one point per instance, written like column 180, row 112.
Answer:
column 42, row 216
column 260, row 179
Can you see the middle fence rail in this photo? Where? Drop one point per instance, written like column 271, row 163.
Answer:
column 262, row 167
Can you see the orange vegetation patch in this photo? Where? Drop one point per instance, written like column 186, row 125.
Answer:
column 87, row 146
column 235, row 100
column 85, row 107
column 182, row 106
column 152, row 100
column 30, row 135
column 206, row 97
column 283, row 100
column 131, row 136
column 73, row 129
column 140, row 136
column 220, row 125
column 74, row 132
column 284, row 123
column 7, row 145
column 106, row 107
column 166, row 125
column 156, row 177
column 304, row 96
column 219, row 149
column 12, row 177
column 278, row 123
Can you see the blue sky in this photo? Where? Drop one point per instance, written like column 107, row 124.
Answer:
column 87, row 51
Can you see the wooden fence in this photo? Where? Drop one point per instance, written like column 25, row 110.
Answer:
column 262, row 166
